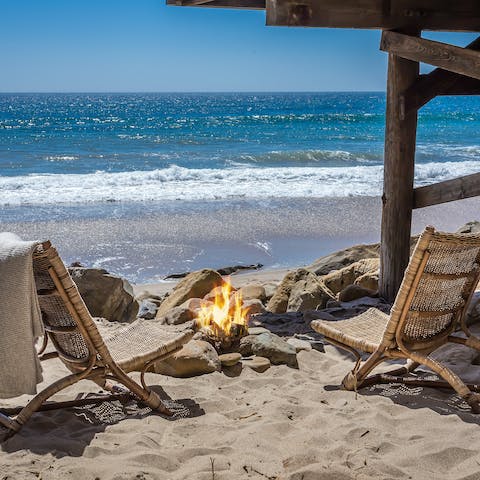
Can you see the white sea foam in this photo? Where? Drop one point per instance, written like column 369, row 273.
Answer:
column 177, row 183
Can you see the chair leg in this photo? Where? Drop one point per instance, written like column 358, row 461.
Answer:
column 149, row 397
column 15, row 424
column 355, row 378
column 473, row 399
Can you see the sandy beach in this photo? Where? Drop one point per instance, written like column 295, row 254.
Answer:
column 281, row 424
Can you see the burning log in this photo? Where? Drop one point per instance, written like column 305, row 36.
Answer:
column 225, row 321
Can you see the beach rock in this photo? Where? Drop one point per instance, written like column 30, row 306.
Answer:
column 352, row 292
column 105, row 295
column 147, row 309
column 270, row 346
column 470, row 227
column 254, row 306
column 308, row 293
column 337, row 280
column 257, row 364
column 177, row 315
column 151, row 297
column 196, row 304
column 368, row 280
column 299, row 344
column 299, row 290
column 270, row 289
column 472, row 316
column 343, row 258
column 194, row 285
column 217, row 291
column 195, row 358
column 279, row 301
column 257, row 330
column 252, row 292
column 229, row 359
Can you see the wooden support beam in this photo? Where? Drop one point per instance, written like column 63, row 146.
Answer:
column 440, row 82
column 243, row 4
column 400, row 139
column 454, row 15
column 448, row 191
column 448, row 57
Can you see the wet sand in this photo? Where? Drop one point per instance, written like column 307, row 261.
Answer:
column 146, row 244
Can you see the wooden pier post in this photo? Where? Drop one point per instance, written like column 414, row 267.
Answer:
column 400, row 139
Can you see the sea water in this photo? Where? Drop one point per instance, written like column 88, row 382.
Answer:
column 94, row 156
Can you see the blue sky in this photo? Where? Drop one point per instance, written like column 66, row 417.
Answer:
column 143, row 45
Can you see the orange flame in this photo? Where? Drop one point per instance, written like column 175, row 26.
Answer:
column 226, row 310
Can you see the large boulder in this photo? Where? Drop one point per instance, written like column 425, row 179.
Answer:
column 253, row 292
column 299, row 289
column 270, row 346
column 343, row 258
column 354, row 292
column 197, row 357
column 194, row 285
column 338, row 280
column 308, row 293
column 368, row 280
column 105, row 295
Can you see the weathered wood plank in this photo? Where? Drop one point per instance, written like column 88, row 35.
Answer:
column 243, row 4
column 400, row 139
column 448, row 191
column 458, row 15
column 440, row 82
column 448, row 57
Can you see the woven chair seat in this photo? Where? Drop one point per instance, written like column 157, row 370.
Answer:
column 135, row 344
column 365, row 331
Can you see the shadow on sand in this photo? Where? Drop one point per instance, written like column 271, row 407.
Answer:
column 67, row 432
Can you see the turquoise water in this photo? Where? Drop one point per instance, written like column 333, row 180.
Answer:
column 78, row 150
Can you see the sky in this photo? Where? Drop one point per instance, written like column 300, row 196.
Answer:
column 143, row 45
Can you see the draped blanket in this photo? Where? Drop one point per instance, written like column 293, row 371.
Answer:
column 20, row 318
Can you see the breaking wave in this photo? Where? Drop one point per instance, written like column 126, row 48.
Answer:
column 178, row 183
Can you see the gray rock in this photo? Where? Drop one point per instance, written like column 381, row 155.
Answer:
column 472, row 315
column 194, row 285
column 105, row 295
column 177, row 315
column 257, row 364
column 257, row 330
column 195, row 358
column 147, row 310
column 299, row 344
column 270, row 346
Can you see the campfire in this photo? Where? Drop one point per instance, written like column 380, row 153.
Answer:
column 225, row 320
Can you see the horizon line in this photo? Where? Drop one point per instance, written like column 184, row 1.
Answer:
column 171, row 92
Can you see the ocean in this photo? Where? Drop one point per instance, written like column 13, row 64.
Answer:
column 104, row 156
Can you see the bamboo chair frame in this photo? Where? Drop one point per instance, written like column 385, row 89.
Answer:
column 80, row 346
column 443, row 267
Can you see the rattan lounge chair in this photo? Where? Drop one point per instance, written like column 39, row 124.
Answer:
column 429, row 308
column 79, row 344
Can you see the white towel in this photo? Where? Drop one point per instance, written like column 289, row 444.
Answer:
column 20, row 318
